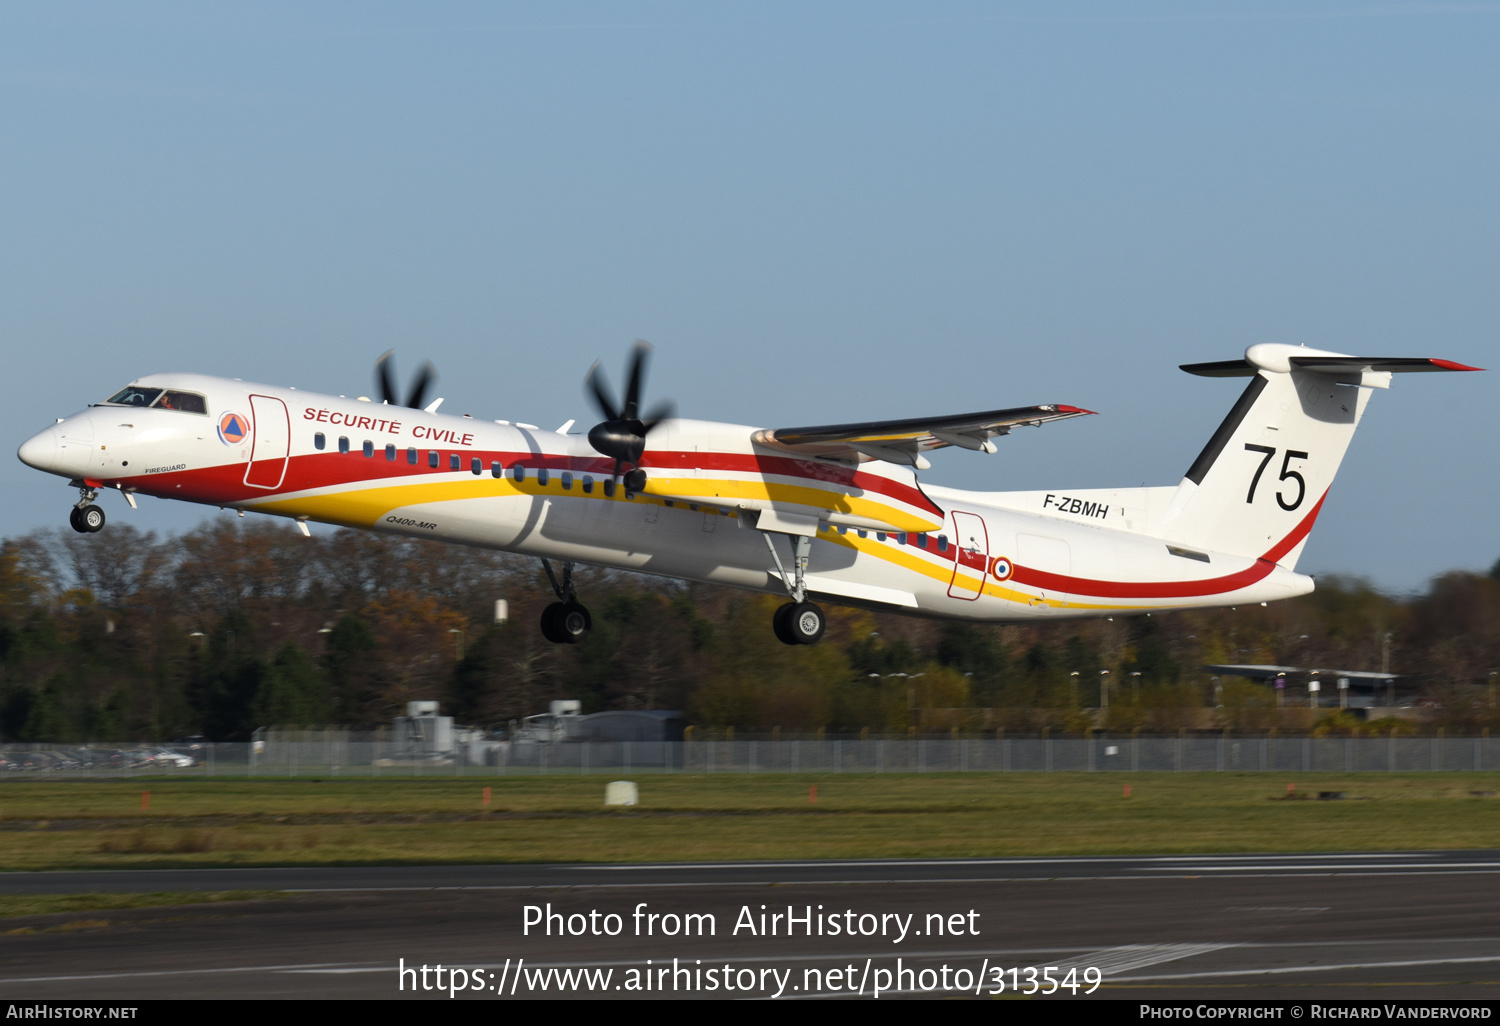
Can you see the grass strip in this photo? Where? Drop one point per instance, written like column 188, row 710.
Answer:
column 101, row 825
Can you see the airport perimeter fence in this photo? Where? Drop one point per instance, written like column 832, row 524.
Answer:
column 337, row 755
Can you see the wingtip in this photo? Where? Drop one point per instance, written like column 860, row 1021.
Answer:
column 1453, row 366
column 1062, row 408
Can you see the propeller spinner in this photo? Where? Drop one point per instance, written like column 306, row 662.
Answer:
column 383, row 377
column 622, row 434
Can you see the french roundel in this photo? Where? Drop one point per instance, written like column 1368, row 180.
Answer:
column 1002, row 568
column 233, row 427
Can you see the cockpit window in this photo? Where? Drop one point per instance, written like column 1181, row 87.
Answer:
column 187, row 402
column 134, row 396
column 160, row 398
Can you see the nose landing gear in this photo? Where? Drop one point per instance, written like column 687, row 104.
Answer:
column 566, row 621
column 85, row 517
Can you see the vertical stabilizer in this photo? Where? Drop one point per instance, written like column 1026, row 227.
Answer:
column 1258, row 484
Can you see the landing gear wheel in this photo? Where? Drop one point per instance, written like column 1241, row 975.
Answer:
column 799, row 623
column 89, row 520
column 805, row 623
column 575, row 622
column 781, row 624
column 566, row 623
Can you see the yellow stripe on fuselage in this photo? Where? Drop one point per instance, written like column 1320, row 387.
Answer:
column 364, row 507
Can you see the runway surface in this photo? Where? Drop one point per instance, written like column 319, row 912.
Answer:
column 1380, row 925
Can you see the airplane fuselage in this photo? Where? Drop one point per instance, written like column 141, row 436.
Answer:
column 713, row 497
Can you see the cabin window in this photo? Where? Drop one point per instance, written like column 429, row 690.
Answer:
column 843, row 530
column 476, row 466
column 863, row 533
column 567, row 480
column 880, row 536
column 942, row 543
column 901, row 538
column 390, row 453
column 518, row 472
column 541, row 476
column 921, row 541
column 343, row 445
column 588, row 485
column 411, row 456
column 496, row 470
column 369, row 449
column 609, row 488
column 454, row 462
column 319, row 440
column 432, row 458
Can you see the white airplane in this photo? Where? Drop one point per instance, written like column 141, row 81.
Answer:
column 834, row 513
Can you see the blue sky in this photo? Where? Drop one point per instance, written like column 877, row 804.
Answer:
column 817, row 212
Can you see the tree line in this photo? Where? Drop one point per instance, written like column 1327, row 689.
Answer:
column 242, row 623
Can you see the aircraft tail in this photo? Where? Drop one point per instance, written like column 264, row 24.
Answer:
column 1259, row 483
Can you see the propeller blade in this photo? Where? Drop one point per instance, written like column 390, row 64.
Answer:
column 383, row 377
column 594, row 381
column 664, row 410
column 425, row 377
column 639, row 354
column 621, row 435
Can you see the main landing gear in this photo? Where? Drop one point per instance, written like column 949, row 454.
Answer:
column 799, row 622
column 566, row 621
column 85, row 517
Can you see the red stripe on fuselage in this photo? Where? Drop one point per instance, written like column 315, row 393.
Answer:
column 224, row 484
column 1088, row 588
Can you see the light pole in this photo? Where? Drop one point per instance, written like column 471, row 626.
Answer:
column 1385, row 663
column 1104, row 691
column 458, row 642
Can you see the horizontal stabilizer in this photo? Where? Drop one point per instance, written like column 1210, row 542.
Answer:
column 1328, row 364
column 903, row 441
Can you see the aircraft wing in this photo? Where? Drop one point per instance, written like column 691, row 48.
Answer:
column 904, row 441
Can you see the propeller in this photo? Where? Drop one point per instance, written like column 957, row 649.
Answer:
column 383, row 377
column 622, row 434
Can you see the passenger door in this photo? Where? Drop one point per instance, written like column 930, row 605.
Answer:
column 271, row 445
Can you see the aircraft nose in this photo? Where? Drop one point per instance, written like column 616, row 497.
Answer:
column 40, row 450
